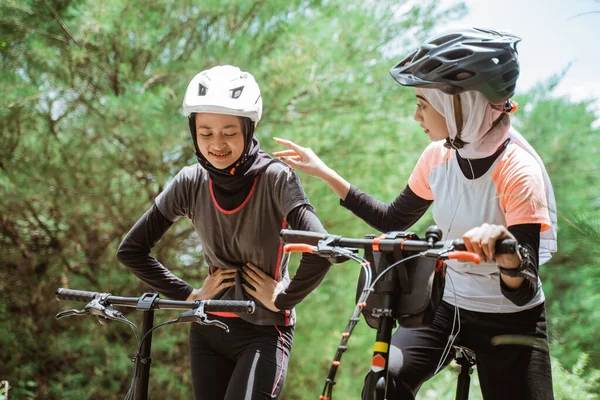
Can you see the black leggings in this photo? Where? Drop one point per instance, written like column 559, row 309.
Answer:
column 505, row 371
column 248, row 363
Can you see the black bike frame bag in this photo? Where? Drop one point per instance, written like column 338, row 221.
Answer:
column 415, row 287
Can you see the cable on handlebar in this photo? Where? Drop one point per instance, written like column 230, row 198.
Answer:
column 330, row 382
column 400, row 243
column 368, row 288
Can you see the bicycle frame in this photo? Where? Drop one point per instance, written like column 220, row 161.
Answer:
column 143, row 359
column 375, row 386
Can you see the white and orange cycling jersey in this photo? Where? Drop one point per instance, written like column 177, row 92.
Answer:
column 510, row 193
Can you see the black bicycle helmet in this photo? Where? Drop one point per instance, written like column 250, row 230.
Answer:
column 469, row 59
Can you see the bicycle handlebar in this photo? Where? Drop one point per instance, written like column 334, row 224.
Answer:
column 76, row 295
column 292, row 236
column 504, row 246
column 239, row 306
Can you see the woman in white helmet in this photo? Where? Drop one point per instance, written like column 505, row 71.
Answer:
column 238, row 198
column 485, row 183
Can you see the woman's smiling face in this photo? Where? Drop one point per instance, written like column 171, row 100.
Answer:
column 220, row 138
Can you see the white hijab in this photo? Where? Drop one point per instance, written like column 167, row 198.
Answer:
column 483, row 141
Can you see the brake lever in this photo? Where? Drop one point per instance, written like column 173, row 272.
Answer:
column 96, row 307
column 105, row 313
column 199, row 316
column 216, row 323
column 68, row 313
column 335, row 254
column 112, row 313
column 435, row 253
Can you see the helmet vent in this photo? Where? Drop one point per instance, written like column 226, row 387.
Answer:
column 459, row 75
column 511, row 89
column 429, row 66
column 510, row 75
column 407, row 60
column 420, row 54
column 201, row 90
column 458, row 54
column 236, row 93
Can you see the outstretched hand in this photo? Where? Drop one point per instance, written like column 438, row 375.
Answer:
column 265, row 289
column 301, row 158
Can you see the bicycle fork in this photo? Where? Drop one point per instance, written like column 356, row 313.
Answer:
column 376, row 381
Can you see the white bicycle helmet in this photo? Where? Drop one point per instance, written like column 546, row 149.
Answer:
column 224, row 89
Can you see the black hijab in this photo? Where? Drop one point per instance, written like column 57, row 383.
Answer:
column 232, row 185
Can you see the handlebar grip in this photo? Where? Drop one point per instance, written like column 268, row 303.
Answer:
column 291, row 236
column 504, row 246
column 238, row 306
column 464, row 256
column 75, row 295
column 298, row 248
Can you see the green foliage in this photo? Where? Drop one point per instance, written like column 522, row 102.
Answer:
column 4, row 389
column 90, row 132
column 581, row 382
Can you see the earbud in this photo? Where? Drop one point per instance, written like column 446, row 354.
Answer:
column 511, row 106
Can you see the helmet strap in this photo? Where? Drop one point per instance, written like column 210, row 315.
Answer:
column 457, row 142
column 457, row 114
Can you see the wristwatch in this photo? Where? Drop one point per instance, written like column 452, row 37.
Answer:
column 518, row 272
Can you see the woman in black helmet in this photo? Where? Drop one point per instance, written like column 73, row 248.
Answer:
column 485, row 183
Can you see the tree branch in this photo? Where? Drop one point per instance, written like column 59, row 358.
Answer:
column 50, row 35
column 60, row 21
column 10, row 232
column 153, row 79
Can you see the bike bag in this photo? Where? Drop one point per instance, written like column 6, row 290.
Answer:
column 416, row 289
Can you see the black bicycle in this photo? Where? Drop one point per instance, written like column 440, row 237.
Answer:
column 391, row 266
column 102, row 305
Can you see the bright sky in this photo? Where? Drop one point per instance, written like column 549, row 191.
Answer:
column 552, row 38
